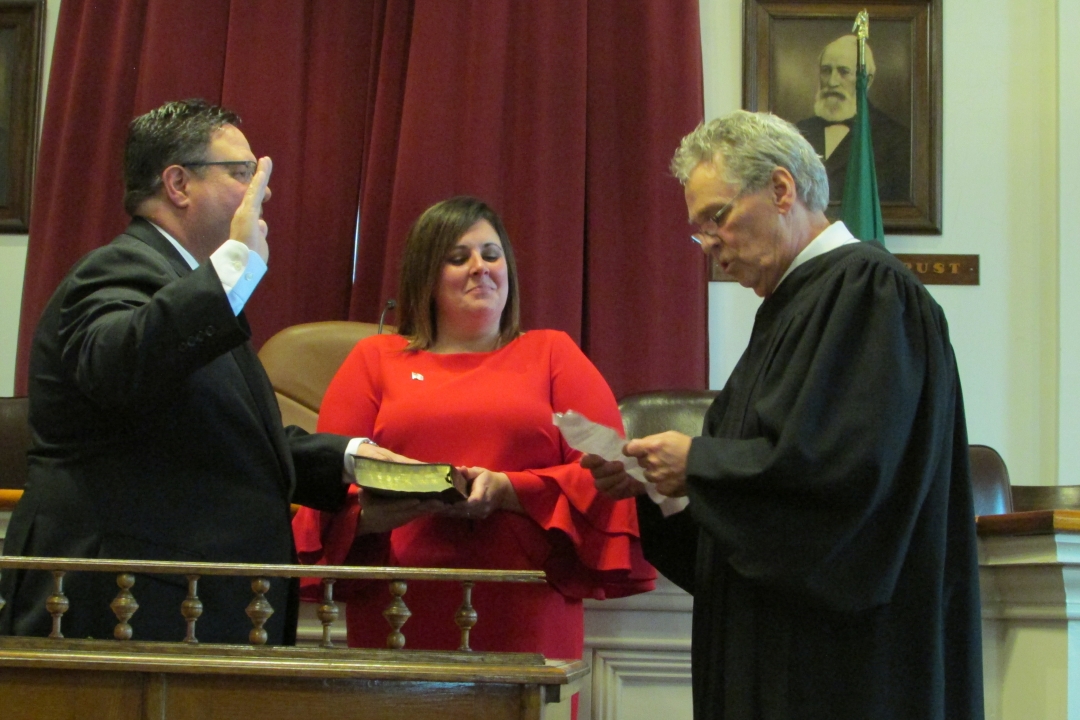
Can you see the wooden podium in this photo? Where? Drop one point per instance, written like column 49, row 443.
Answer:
column 1029, row 573
column 43, row 679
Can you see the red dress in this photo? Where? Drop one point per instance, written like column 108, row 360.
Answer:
column 491, row 410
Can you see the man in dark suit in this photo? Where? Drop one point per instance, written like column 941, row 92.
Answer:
column 829, row 130
column 156, row 431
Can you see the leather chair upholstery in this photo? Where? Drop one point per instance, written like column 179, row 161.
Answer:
column 301, row 361
column 654, row 412
column 990, row 485
column 1046, row 497
column 14, row 442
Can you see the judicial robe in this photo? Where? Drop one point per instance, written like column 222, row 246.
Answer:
column 830, row 541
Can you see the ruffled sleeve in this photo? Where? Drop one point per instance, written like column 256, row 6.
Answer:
column 595, row 549
column 595, row 543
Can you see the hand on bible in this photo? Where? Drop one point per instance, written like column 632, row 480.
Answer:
column 247, row 225
column 611, row 478
column 663, row 457
column 380, row 453
column 379, row 515
column 489, row 491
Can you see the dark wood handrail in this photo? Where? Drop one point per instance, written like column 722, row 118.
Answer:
column 335, row 572
column 1035, row 522
column 9, row 498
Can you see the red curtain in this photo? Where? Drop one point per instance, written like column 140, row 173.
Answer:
column 562, row 115
column 289, row 69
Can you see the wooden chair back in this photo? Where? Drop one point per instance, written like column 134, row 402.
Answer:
column 301, row 360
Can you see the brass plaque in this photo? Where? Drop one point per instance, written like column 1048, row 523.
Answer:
column 931, row 268
column 935, row 269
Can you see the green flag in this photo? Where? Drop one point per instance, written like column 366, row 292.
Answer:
column 860, row 208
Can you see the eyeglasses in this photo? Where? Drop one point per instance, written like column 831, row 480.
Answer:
column 242, row 170
column 716, row 221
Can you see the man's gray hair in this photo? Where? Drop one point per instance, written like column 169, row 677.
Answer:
column 752, row 145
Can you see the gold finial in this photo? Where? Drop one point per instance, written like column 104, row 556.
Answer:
column 862, row 32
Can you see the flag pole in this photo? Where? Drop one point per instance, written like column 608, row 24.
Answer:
column 862, row 32
column 860, row 208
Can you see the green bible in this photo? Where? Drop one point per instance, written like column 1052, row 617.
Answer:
column 426, row 481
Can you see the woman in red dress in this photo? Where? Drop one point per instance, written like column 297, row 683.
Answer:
column 462, row 384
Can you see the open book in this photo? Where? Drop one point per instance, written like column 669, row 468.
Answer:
column 411, row 480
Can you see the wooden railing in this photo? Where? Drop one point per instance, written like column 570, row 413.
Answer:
column 125, row 604
column 1031, row 522
column 9, row 499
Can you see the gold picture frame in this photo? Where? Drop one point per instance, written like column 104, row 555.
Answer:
column 783, row 44
column 22, row 25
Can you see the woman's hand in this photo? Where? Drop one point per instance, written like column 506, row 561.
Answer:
column 490, row 491
column 611, row 478
column 379, row 515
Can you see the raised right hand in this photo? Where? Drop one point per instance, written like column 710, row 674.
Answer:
column 247, row 225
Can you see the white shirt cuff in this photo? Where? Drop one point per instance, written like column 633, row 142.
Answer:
column 350, row 451
column 239, row 270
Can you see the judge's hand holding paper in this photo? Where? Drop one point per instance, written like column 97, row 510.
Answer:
column 655, row 465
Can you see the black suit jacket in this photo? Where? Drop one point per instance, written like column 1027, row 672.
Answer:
column 157, row 436
column 892, row 155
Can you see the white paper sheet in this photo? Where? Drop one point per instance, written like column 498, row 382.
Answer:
column 595, row 439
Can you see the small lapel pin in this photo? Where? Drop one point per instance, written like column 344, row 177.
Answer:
column 417, row 376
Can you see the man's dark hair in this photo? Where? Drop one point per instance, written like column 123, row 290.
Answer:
column 175, row 133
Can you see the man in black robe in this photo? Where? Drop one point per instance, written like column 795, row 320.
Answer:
column 829, row 540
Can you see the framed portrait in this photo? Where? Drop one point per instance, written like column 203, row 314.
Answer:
column 798, row 63
column 21, row 40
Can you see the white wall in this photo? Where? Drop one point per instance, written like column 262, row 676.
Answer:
column 1000, row 201
column 12, row 262
column 731, row 307
column 1068, row 111
column 13, row 247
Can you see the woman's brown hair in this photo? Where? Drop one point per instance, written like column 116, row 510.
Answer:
column 429, row 242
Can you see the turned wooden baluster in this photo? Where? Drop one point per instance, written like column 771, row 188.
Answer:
column 191, row 608
column 259, row 611
column 57, row 603
column 396, row 614
column 466, row 615
column 124, row 606
column 327, row 612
